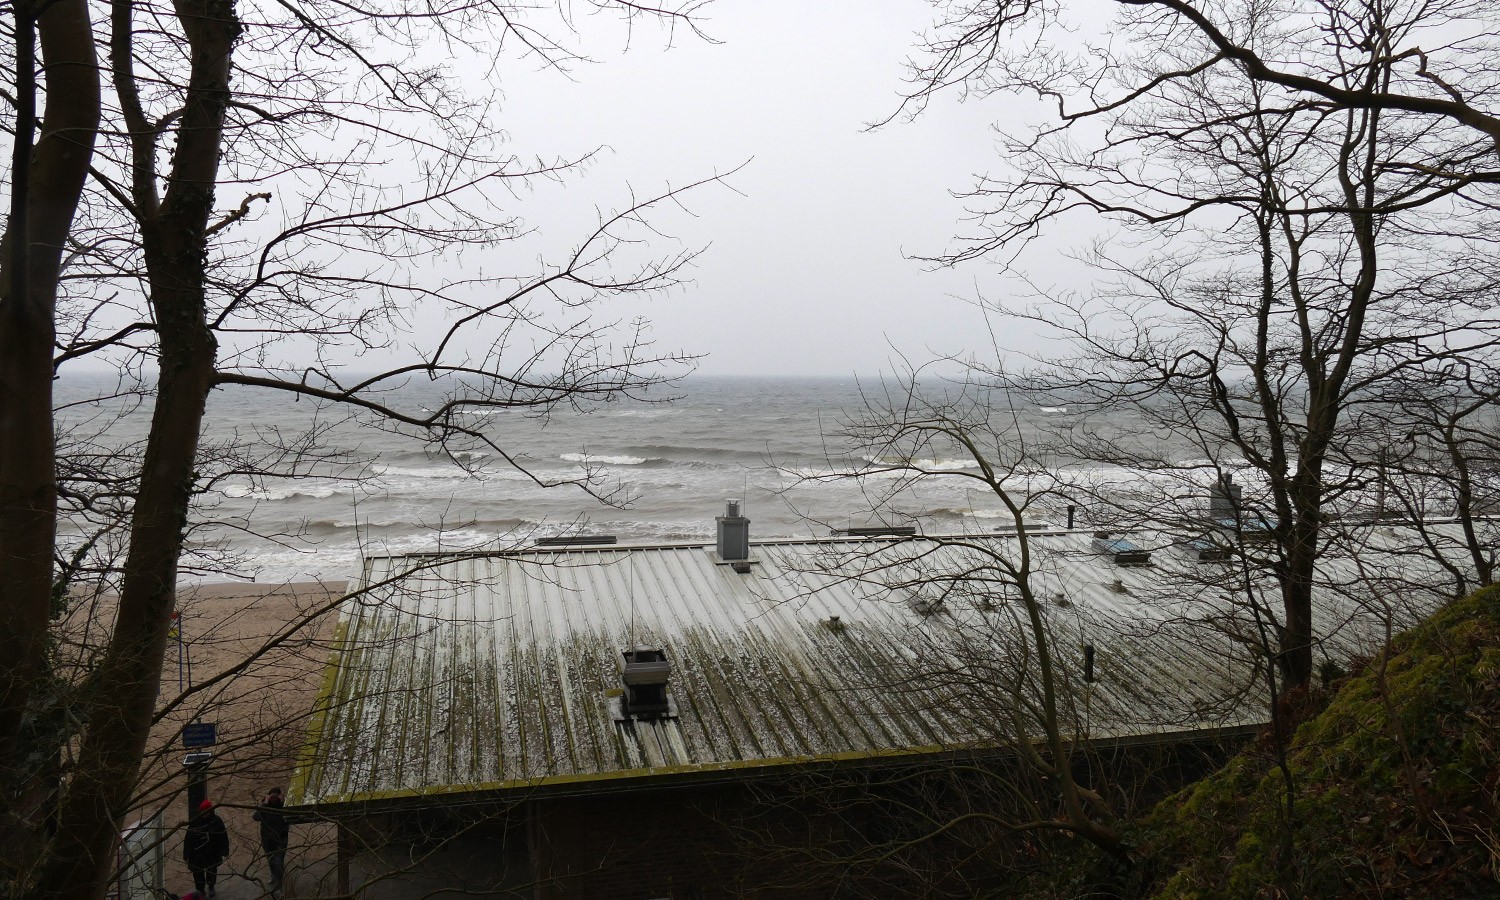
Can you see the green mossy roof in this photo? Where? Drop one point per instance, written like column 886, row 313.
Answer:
column 479, row 674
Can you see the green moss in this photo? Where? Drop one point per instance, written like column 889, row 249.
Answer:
column 1391, row 807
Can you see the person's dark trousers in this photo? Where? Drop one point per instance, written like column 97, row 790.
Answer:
column 206, row 879
column 277, row 859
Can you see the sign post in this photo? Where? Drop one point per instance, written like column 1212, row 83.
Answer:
column 174, row 633
column 197, row 737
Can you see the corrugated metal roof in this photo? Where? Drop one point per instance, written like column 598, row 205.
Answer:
column 494, row 671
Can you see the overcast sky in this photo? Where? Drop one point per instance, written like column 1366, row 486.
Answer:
column 809, row 267
column 809, row 270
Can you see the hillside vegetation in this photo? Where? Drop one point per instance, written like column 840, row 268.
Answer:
column 1397, row 785
column 1396, row 790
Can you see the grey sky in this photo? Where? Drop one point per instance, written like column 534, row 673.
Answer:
column 808, row 270
column 807, row 273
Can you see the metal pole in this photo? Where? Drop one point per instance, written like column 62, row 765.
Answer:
column 196, row 765
column 182, row 644
column 341, row 863
column 177, row 626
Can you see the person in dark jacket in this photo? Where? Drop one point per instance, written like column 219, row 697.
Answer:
column 274, row 832
column 204, row 847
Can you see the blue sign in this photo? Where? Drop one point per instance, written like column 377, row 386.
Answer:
column 200, row 734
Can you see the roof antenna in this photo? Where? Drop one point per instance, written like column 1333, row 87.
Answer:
column 630, row 557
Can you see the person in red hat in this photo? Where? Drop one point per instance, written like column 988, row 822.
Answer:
column 204, row 847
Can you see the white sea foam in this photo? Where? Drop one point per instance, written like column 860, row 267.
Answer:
column 926, row 465
column 340, row 558
column 389, row 475
column 604, row 460
column 310, row 491
column 382, row 471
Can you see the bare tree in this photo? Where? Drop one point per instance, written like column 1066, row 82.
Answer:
column 1285, row 261
column 1440, row 461
column 1286, row 256
column 1440, row 57
column 379, row 167
column 46, row 182
column 1002, row 666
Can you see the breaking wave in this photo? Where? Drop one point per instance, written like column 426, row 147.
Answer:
column 250, row 492
column 930, row 465
column 599, row 459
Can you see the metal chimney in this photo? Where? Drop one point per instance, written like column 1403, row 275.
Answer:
column 1224, row 500
column 646, row 673
column 733, row 533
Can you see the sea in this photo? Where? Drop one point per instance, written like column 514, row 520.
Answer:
column 657, row 469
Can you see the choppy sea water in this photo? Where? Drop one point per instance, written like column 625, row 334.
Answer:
column 374, row 492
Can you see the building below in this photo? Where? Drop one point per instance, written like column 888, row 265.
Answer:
column 796, row 718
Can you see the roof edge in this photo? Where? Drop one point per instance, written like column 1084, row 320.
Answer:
column 674, row 776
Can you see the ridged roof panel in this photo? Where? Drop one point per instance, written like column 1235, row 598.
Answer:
column 487, row 672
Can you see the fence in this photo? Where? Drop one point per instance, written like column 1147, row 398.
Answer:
column 141, row 862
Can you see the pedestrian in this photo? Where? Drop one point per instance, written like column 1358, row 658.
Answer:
column 273, row 834
column 206, row 845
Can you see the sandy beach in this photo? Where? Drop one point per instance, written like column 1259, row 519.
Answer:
column 250, row 661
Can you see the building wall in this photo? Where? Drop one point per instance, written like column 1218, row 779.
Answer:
column 428, row 850
column 825, row 832
column 686, row 844
column 812, row 835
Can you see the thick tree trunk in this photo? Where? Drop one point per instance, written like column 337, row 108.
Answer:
column 1302, row 505
column 50, row 189
column 1463, row 506
column 175, row 242
column 1296, row 654
column 129, row 676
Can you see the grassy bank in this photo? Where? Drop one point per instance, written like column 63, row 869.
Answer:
column 1394, row 790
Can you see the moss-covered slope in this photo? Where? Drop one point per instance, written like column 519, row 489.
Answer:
column 1396, row 785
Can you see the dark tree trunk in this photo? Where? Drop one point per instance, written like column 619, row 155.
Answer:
column 174, row 236
column 1296, row 652
column 1463, row 503
column 47, row 187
